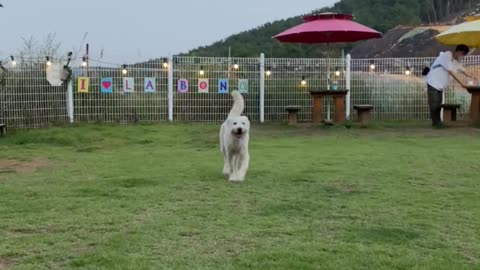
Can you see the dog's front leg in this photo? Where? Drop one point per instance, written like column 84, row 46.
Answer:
column 232, row 163
column 243, row 163
column 226, row 165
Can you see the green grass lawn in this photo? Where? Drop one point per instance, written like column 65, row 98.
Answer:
column 153, row 197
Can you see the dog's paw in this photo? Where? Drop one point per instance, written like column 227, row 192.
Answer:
column 226, row 173
column 235, row 179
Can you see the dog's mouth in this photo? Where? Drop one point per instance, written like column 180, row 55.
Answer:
column 238, row 133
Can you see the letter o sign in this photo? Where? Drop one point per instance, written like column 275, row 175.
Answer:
column 203, row 86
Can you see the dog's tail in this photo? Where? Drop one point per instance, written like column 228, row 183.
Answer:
column 238, row 104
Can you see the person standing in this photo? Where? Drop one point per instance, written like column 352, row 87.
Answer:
column 438, row 78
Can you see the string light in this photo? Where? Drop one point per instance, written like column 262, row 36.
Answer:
column 268, row 72
column 14, row 63
column 84, row 62
column 337, row 72
column 304, row 82
column 48, row 61
column 201, row 72
column 408, row 71
column 124, row 70
column 165, row 63
column 372, row 66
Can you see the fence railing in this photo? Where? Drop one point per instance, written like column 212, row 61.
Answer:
column 196, row 89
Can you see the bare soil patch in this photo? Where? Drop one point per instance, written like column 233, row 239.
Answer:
column 5, row 264
column 20, row 166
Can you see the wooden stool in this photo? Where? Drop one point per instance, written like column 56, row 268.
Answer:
column 292, row 114
column 450, row 112
column 363, row 113
column 3, row 129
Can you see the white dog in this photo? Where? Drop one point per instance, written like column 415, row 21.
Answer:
column 234, row 137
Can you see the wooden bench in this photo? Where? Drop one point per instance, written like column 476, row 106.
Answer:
column 364, row 112
column 450, row 112
column 292, row 114
column 3, row 129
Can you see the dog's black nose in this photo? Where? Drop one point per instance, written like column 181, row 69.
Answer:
column 239, row 130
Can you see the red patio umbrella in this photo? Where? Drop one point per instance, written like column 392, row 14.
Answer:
column 327, row 28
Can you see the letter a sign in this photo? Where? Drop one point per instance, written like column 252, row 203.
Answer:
column 149, row 84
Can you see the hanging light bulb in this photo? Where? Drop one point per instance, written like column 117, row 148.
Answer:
column 165, row 63
column 337, row 72
column 201, row 72
column 304, row 82
column 84, row 62
column 48, row 61
column 372, row 66
column 268, row 72
column 124, row 70
column 408, row 71
column 14, row 63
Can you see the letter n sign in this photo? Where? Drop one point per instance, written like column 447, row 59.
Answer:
column 223, row 86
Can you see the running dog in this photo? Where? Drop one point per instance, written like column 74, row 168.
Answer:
column 234, row 137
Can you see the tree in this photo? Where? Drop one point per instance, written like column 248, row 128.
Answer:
column 35, row 52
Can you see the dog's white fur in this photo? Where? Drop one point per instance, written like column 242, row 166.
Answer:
column 234, row 137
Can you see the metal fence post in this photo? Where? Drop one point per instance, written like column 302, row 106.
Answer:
column 444, row 97
column 262, row 88
column 348, row 77
column 70, row 101
column 170, row 88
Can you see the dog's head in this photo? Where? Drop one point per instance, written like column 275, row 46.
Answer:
column 239, row 126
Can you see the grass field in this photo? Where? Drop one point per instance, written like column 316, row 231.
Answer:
column 153, row 197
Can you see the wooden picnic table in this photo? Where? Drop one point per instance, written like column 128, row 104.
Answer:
column 338, row 96
column 475, row 104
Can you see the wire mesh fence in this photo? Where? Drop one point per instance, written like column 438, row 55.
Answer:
column 207, row 83
column 397, row 89
column 140, row 93
column 137, row 104
column 288, row 82
column 28, row 100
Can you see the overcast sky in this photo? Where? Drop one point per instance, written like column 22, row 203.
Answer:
column 129, row 31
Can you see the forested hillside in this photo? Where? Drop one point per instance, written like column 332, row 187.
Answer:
column 381, row 15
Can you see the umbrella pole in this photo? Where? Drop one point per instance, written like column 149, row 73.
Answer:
column 328, row 80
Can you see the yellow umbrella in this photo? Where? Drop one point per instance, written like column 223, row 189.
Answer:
column 472, row 18
column 467, row 33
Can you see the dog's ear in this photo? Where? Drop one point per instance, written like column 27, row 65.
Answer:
column 245, row 119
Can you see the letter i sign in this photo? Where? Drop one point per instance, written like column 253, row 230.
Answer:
column 83, row 84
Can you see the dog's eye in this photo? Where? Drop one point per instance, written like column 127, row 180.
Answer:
column 235, row 123
column 243, row 123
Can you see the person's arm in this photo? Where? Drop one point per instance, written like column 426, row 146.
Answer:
column 457, row 79
column 466, row 74
column 449, row 65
